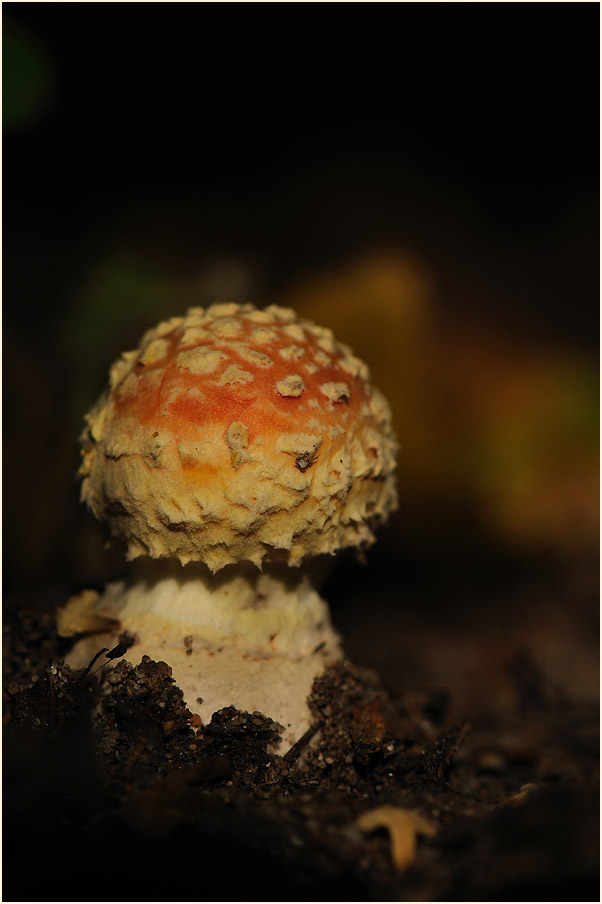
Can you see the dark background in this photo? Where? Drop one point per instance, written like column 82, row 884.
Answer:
column 421, row 177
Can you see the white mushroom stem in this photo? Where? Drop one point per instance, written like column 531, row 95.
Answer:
column 239, row 638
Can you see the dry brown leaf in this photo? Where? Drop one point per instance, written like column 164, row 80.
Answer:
column 78, row 616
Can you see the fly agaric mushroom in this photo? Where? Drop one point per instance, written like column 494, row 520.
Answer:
column 233, row 444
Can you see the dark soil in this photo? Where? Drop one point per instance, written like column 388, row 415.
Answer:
column 113, row 792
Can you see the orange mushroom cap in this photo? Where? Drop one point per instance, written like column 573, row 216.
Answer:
column 237, row 434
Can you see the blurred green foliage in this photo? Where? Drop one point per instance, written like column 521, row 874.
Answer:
column 122, row 298
column 29, row 81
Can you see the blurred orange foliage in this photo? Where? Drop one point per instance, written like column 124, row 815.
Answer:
column 489, row 420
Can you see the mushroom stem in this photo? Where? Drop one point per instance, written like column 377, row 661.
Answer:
column 244, row 638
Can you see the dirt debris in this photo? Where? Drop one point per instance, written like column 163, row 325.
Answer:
column 133, row 769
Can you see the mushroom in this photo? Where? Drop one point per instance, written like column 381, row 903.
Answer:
column 231, row 446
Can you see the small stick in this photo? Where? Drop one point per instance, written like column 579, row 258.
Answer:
column 87, row 671
column 120, row 650
column 291, row 755
column 115, row 653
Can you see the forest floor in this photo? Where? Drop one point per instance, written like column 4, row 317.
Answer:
column 465, row 768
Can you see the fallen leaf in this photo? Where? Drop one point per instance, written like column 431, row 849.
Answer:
column 78, row 616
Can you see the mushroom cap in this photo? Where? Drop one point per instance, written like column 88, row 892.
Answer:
column 237, row 434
